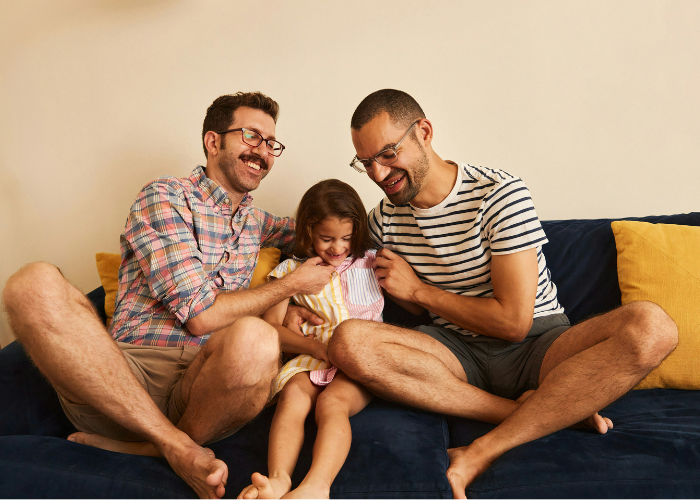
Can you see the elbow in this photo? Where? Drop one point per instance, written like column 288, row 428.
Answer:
column 198, row 326
column 517, row 329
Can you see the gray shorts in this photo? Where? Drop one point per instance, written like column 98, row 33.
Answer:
column 503, row 368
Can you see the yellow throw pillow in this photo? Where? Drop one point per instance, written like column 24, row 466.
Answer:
column 661, row 263
column 267, row 261
column 108, row 270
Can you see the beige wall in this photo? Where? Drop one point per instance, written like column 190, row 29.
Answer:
column 595, row 104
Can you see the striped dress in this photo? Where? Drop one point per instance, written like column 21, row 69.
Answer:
column 353, row 292
column 449, row 246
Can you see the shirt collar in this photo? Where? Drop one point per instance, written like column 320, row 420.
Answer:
column 212, row 190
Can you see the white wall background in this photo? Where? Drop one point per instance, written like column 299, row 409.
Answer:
column 595, row 104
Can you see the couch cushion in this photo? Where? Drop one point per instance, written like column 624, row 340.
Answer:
column 49, row 467
column 396, row 452
column 30, row 404
column 661, row 263
column 582, row 258
column 653, row 451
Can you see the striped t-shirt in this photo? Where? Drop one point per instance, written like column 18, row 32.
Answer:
column 450, row 245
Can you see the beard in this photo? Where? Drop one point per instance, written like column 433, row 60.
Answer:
column 415, row 175
column 240, row 183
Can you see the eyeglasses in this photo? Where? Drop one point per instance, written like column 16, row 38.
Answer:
column 254, row 139
column 385, row 157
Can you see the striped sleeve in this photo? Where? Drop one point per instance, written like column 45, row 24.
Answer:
column 284, row 268
column 510, row 221
column 376, row 231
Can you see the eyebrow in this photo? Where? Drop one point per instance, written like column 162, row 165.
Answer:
column 328, row 236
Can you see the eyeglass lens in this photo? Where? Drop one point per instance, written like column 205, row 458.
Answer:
column 252, row 138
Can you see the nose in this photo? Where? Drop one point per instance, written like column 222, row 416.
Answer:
column 378, row 172
column 261, row 150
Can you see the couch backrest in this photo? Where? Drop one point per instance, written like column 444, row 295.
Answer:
column 582, row 258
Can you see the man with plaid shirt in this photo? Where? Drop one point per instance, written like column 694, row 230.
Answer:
column 192, row 362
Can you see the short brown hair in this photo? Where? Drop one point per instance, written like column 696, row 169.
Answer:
column 401, row 107
column 220, row 114
column 331, row 198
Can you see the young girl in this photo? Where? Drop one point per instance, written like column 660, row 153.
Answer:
column 331, row 224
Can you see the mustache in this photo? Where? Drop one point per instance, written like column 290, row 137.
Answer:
column 257, row 159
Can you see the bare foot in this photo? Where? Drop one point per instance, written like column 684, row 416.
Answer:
column 198, row 467
column 264, row 487
column 466, row 464
column 309, row 491
column 595, row 422
column 99, row 441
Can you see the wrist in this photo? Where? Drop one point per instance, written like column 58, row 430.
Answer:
column 421, row 294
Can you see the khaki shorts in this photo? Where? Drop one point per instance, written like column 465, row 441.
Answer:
column 503, row 368
column 160, row 371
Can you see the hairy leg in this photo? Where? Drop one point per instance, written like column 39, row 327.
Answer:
column 230, row 381
column 227, row 385
column 588, row 367
column 296, row 400
column 62, row 334
column 411, row 368
column 342, row 399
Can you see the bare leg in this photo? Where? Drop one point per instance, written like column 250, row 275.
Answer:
column 227, row 385
column 342, row 399
column 411, row 368
column 297, row 399
column 69, row 344
column 588, row 367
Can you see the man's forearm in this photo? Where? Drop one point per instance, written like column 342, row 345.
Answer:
column 483, row 315
column 231, row 306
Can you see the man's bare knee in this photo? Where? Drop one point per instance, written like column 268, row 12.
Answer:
column 347, row 345
column 248, row 351
column 654, row 334
column 24, row 285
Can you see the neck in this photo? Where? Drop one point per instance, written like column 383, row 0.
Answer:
column 438, row 183
column 214, row 173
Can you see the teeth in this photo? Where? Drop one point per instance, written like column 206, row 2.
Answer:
column 252, row 165
column 393, row 183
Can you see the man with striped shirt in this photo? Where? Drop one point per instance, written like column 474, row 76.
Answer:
column 465, row 243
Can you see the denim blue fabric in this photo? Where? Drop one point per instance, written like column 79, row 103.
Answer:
column 653, row 451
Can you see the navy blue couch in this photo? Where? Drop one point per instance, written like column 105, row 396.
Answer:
column 397, row 452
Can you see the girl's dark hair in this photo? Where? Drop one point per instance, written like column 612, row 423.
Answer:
column 331, row 198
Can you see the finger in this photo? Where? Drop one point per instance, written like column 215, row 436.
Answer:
column 310, row 316
column 315, row 261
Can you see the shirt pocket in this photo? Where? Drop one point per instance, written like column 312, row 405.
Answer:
column 363, row 288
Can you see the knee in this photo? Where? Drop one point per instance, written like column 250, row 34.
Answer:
column 30, row 282
column 346, row 346
column 653, row 333
column 329, row 403
column 248, row 347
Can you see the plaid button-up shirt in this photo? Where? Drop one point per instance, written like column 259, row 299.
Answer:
column 183, row 243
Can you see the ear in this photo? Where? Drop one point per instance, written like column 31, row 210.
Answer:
column 211, row 142
column 425, row 132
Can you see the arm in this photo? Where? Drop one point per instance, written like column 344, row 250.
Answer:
column 309, row 278
column 291, row 342
column 507, row 315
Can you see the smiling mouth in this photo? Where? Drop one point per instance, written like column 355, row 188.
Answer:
column 254, row 162
column 252, row 165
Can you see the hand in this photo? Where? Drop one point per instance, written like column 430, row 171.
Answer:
column 320, row 352
column 396, row 275
column 311, row 277
column 297, row 316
